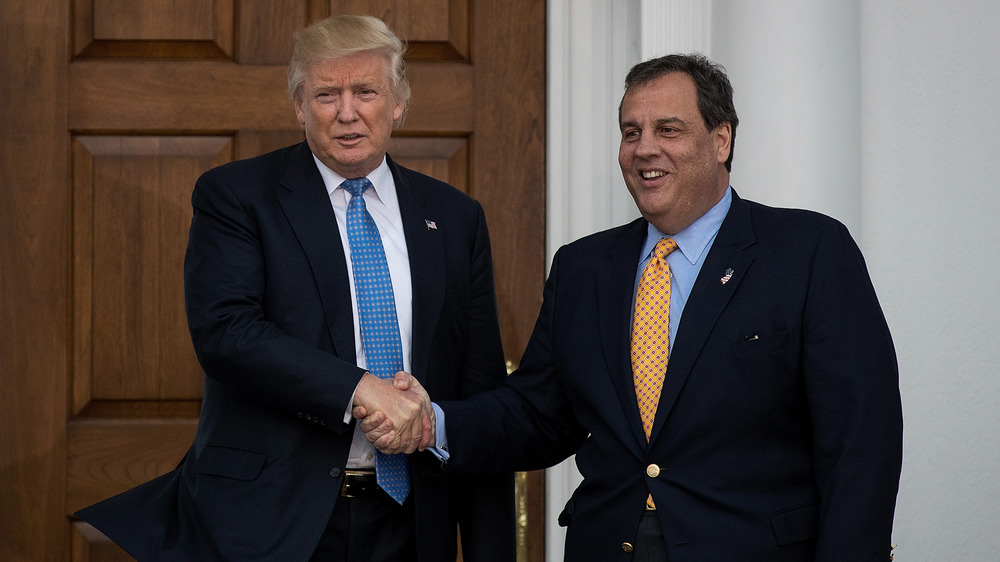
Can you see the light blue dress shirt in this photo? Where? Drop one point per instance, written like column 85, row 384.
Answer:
column 685, row 262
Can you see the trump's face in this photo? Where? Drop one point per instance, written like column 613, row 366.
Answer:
column 347, row 108
column 673, row 165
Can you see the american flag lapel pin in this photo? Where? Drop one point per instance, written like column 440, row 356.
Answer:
column 729, row 275
column 431, row 225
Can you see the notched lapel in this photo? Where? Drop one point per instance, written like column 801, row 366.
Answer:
column 425, row 248
column 727, row 262
column 306, row 203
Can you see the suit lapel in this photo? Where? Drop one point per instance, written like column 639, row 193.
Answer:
column 425, row 248
column 732, row 249
column 306, row 203
column 615, row 289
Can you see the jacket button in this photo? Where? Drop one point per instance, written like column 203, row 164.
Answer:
column 652, row 471
column 627, row 547
column 335, row 472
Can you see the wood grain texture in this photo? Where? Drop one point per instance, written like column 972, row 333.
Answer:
column 266, row 28
column 207, row 96
column 132, row 197
column 509, row 179
column 109, row 112
column 433, row 29
column 153, row 19
column 153, row 28
column 446, row 159
column 34, row 278
column 252, row 142
column 108, row 456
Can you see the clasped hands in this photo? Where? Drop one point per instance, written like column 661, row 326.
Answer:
column 395, row 415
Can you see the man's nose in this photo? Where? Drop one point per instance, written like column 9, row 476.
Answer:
column 647, row 146
column 347, row 111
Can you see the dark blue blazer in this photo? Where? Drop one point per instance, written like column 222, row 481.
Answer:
column 779, row 430
column 269, row 309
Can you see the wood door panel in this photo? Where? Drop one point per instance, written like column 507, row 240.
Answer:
column 222, row 96
column 153, row 19
column 107, row 456
column 266, row 28
column 446, row 159
column 112, row 110
column 153, row 29
column 433, row 29
column 253, row 142
column 132, row 212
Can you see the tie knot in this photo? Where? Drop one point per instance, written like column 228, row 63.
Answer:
column 664, row 247
column 356, row 186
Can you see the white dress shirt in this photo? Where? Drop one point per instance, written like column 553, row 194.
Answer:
column 383, row 206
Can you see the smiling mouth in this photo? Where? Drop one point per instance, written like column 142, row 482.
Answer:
column 652, row 174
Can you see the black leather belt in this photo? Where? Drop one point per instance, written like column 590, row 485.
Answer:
column 360, row 484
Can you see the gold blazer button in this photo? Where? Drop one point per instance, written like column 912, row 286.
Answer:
column 652, row 471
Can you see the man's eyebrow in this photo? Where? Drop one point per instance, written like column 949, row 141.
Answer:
column 325, row 87
column 671, row 121
column 659, row 122
column 374, row 84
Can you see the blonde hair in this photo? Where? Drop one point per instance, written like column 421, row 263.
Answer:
column 341, row 36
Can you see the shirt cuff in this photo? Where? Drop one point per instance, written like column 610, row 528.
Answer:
column 349, row 414
column 440, row 448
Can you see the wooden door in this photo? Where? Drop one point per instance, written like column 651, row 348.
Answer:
column 110, row 110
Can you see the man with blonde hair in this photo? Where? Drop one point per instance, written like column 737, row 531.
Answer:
column 313, row 273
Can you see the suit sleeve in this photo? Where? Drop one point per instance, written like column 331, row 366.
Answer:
column 852, row 388
column 485, row 509
column 525, row 424
column 225, row 283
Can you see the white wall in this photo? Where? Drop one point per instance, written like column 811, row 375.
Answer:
column 931, row 202
column 882, row 113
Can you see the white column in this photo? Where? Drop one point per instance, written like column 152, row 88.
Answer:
column 795, row 68
column 589, row 52
column 676, row 26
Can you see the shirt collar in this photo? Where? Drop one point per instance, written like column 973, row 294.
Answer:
column 693, row 240
column 381, row 178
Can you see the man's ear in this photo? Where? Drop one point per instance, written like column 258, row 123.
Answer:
column 723, row 141
column 300, row 115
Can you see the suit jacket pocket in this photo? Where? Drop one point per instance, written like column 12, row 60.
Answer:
column 796, row 524
column 238, row 464
column 761, row 343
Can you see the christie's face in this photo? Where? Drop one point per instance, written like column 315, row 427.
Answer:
column 347, row 109
column 672, row 164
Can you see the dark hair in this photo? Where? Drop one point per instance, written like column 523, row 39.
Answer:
column 715, row 93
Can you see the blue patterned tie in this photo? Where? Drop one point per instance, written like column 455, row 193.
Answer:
column 377, row 310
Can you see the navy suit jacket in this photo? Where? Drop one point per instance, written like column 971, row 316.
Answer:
column 778, row 433
column 269, row 309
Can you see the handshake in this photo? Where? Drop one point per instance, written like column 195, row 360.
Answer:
column 396, row 415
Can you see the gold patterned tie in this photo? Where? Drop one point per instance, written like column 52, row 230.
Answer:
column 651, row 334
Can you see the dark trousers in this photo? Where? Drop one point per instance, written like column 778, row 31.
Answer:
column 649, row 543
column 369, row 530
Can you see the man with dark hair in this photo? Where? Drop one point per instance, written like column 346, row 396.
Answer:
column 313, row 273
column 721, row 369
